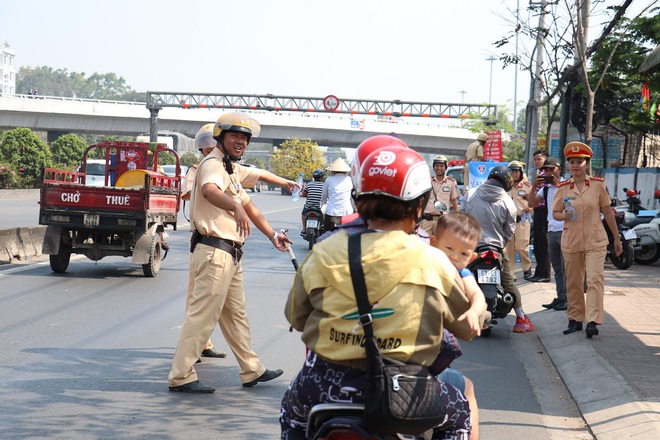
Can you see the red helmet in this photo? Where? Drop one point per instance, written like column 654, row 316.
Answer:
column 631, row 193
column 367, row 147
column 396, row 172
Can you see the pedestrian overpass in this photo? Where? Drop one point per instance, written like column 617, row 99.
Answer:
column 426, row 127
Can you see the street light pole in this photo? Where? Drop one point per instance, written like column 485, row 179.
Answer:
column 490, row 89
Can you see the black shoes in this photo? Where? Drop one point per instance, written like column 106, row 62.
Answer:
column 552, row 304
column 591, row 329
column 573, row 326
column 268, row 375
column 195, row 387
column 561, row 305
column 539, row 279
column 211, row 353
column 527, row 274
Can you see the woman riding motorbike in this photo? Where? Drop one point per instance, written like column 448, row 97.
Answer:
column 421, row 294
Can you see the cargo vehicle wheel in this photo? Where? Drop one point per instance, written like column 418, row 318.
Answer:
column 60, row 262
column 153, row 266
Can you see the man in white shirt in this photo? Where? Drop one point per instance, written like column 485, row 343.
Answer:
column 545, row 187
column 337, row 194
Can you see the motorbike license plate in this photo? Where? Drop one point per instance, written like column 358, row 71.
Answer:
column 488, row 276
column 312, row 223
column 91, row 220
column 629, row 234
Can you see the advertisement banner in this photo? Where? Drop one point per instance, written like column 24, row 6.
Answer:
column 479, row 172
column 493, row 146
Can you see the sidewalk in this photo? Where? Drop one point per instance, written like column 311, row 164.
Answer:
column 614, row 377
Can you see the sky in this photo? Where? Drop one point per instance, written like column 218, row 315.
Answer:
column 413, row 50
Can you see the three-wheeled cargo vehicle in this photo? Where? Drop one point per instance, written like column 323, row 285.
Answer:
column 126, row 216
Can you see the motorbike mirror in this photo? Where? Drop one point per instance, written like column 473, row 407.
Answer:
column 440, row 206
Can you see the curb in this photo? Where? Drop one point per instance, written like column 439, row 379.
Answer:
column 20, row 244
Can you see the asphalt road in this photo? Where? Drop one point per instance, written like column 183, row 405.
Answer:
column 85, row 354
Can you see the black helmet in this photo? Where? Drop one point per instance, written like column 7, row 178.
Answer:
column 503, row 175
column 318, row 174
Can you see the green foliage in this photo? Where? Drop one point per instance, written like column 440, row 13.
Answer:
column 68, row 150
column 617, row 100
column 189, row 158
column 61, row 82
column 515, row 148
column 295, row 156
column 27, row 154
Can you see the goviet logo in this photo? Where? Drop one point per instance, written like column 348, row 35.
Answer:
column 385, row 158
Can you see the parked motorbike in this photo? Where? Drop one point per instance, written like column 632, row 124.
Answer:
column 487, row 270
column 647, row 250
column 628, row 240
column 313, row 225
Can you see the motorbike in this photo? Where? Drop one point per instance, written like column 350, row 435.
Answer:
column 628, row 240
column 487, row 269
column 646, row 226
column 313, row 225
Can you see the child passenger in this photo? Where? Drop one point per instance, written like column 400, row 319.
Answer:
column 457, row 235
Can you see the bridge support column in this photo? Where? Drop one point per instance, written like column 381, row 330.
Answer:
column 52, row 135
column 153, row 124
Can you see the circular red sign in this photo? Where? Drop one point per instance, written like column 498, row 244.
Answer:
column 331, row 103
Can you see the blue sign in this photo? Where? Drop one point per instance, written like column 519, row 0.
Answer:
column 354, row 124
column 478, row 172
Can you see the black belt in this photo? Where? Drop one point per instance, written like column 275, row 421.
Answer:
column 430, row 217
column 231, row 247
column 518, row 218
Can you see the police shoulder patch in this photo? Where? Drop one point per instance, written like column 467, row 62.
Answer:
column 451, row 179
column 598, row 179
column 526, row 183
column 565, row 182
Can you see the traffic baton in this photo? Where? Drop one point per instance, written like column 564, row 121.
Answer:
column 290, row 251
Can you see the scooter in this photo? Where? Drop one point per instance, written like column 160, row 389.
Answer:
column 313, row 225
column 487, row 270
column 647, row 251
column 628, row 240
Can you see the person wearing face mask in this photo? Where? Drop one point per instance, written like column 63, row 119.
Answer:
column 583, row 241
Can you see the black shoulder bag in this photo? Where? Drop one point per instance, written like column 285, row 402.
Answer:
column 400, row 398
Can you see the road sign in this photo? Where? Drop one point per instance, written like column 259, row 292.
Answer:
column 331, row 103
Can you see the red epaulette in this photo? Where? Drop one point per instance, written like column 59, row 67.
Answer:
column 525, row 182
column 598, row 179
column 565, row 182
column 451, row 178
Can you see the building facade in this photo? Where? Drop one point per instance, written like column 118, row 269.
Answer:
column 7, row 71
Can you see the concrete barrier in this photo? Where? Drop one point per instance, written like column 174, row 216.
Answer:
column 18, row 244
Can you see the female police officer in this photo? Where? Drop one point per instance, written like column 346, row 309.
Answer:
column 583, row 241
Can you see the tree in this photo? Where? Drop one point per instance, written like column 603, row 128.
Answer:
column 296, row 156
column 26, row 154
column 68, row 150
column 189, row 159
column 561, row 43
column 61, row 82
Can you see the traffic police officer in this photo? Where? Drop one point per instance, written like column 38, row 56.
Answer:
column 583, row 241
column 220, row 216
column 520, row 193
column 445, row 190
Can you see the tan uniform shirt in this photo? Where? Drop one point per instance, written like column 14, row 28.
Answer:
column 190, row 181
column 586, row 231
column 207, row 218
column 520, row 193
column 474, row 150
column 444, row 190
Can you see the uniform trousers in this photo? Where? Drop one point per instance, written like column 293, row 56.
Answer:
column 218, row 297
column 428, row 226
column 576, row 263
column 191, row 286
column 519, row 243
column 541, row 242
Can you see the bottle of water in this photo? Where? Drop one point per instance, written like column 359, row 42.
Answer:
column 568, row 208
column 524, row 218
column 295, row 195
